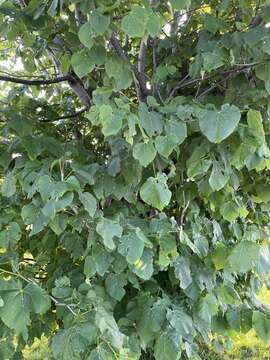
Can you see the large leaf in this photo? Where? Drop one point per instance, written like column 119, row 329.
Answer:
column 218, row 125
column 155, row 192
column 108, row 229
column 261, row 325
column 244, row 256
column 134, row 24
column 145, row 153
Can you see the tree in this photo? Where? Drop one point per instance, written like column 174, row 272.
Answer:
column 134, row 169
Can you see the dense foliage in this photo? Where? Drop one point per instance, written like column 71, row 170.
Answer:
column 134, row 166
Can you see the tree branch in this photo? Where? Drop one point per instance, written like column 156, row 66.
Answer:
column 118, row 48
column 141, row 72
column 255, row 21
column 79, row 16
column 35, row 81
column 140, row 76
column 69, row 116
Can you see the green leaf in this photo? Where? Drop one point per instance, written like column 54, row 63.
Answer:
column 180, row 4
column 244, row 256
column 145, row 153
column 89, row 202
column 218, row 125
column 165, row 145
column 230, row 211
column 131, row 246
column 182, row 271
column 111, row 123
column 99, row 22
column 108, row 326
column 180, row 321
column 218, row 179
column 220, row 257
column 168, row 346
column 152, row 317
column 15, row 313
column 8, row 187
column 53, row 8
column 19, row 302
column 144, row 266
column 67, row 344
column 108, row 229
column 134, row 24
column 38, row 300
column 255, row 125
column 119, row 71
column 177, row 130
column 114, row 285
column 10, row 235
column 153, row 25
column 151, row 121
column 89, row 267
column 167, row 249
column 261, row 324
column 85, row 35
column 212, row 61
column 155, row 192
column 82, row 63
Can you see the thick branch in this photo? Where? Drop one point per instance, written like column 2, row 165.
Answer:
column 118, row 48
column 35, row 81
column 141, row 71
column 79, row 90
column 256, row 21
column 79, row 16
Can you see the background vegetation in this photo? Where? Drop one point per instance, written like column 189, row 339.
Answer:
column 134, row 170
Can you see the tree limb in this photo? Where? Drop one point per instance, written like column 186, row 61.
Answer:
column 35, row 81
column 141, row 72
column 69, row 116
column 256, row 21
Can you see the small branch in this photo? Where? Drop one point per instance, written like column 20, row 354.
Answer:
column 35, row 81
column 68, row 306
column 30, row 281
column 140, row 76
column 182, row 218
column 79, row 112
column 69, row 116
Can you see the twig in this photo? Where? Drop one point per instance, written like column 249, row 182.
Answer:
column 182, row 217
column 71, row 115
column 31, row 281
column 68, row 306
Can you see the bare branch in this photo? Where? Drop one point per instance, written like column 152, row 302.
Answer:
column 118, row 48
column 256, row 21
column 141, row 71
column 79, row 90
column 35, row 81
column 69, row 116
